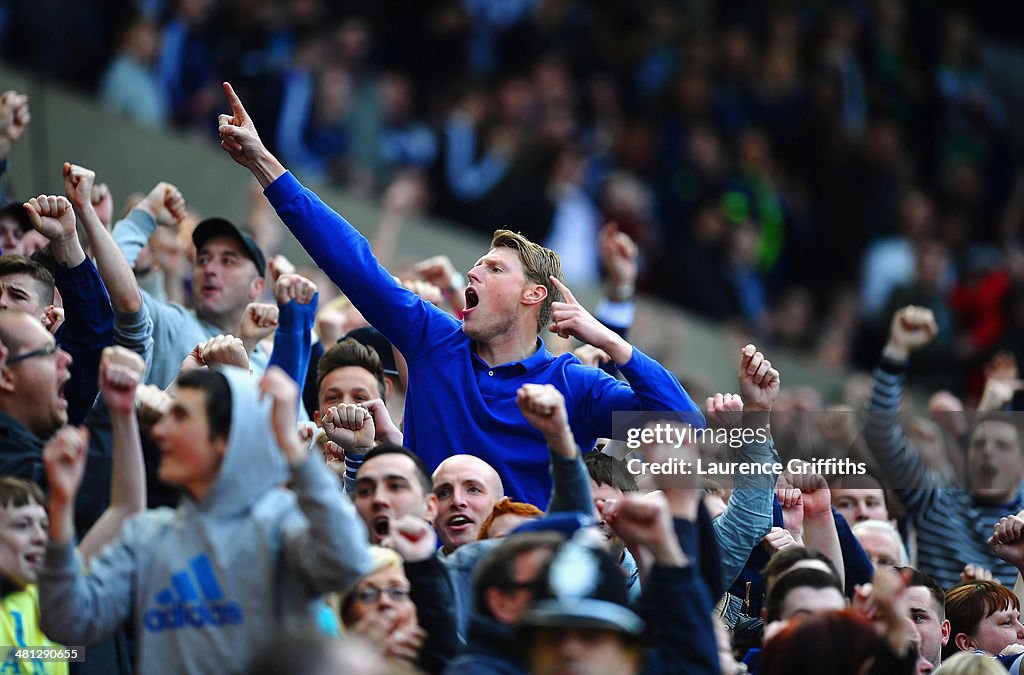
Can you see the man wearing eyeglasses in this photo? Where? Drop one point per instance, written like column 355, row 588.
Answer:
column 32, row 403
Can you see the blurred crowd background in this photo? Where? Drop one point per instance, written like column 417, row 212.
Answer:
column 797, row 169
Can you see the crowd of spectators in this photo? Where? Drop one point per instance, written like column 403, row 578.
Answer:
column 782, row 166
column 211, row 461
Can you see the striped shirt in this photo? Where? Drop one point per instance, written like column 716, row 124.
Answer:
column 952, row 528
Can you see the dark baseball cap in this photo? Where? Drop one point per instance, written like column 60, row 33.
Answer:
column 368, row 336
column 221, row 227
column 583, row 587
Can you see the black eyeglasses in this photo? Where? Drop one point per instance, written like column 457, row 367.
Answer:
column 372, row 594
column 42, row 351
column 510, row 586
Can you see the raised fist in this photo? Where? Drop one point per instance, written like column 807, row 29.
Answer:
column 289, row 287
column 52, row 217
column 759, row 382
column 78, row 186
column 912, row 327
column 227, row 350
column 165, row 203
column 543, row 406
column 121, row 371
column 258, row 321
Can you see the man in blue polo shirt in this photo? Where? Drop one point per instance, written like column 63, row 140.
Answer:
column 463, row 375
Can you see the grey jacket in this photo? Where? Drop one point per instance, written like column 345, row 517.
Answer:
column 176, row 330
column 207, row 584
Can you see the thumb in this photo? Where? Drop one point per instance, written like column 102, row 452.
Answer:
column 33, row 215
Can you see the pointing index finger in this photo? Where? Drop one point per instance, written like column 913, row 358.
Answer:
column 237, row 109
column 564, row 290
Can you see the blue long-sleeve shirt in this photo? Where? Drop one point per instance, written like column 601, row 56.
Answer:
column 293, row 343
column 88, row 327
column 455, row 402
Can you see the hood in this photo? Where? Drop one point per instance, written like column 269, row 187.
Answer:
column 253, row 463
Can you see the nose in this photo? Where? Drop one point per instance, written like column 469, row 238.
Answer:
column 385, row 601
column 380, row 495
column 39, row 534
column 67, row 358
column 458, row 497
column 159, row 430
column 572, row 646
column 474, row 275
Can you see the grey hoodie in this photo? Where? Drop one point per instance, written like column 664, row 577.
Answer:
column 209, row 583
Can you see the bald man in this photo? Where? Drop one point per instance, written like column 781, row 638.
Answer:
column 467, row 488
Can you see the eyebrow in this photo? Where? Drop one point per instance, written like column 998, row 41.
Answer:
column 383, row 479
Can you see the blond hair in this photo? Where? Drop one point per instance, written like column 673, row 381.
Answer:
column 539, row 264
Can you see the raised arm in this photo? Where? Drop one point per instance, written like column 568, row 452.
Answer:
column 293, row 342
column 675, row 603
column 238, row 137
column 912, row 327
column 543, row 406
column 820, row 533
column 163, row 205
column 76, row 608
column 430, row 589
column 110, row 262
column 120, row 373
column 333, row 243
column 748, row 517
column 329, row 548
column 88, row 318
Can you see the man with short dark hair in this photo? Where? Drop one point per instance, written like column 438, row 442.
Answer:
column 611, row 481
column 803, row 591
column 241, row 558
column 470, row 370
column 350, row 406
column 24, row 284
column 394, row 387
column 392, row 482
column 928, row 612
column 349, row 372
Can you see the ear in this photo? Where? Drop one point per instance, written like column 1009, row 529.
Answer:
column 256, row 287
column 534, row 294
column 7, row 383
column 220, row 448
column 430, row 512
column 945, row 632
column 389, row 387
column 963, row 642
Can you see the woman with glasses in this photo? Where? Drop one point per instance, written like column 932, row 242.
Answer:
column 406, row 590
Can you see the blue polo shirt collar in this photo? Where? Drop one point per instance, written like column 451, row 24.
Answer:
column 535, row 360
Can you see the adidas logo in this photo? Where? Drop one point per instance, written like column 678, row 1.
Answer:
column 182, row 607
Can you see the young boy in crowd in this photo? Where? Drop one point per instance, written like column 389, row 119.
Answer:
column 240, row 561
